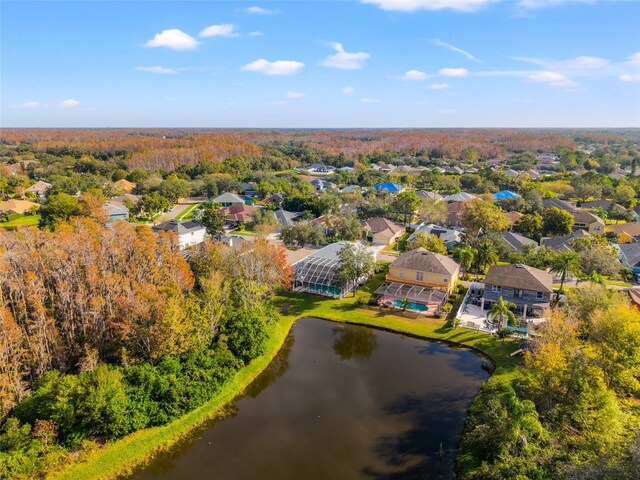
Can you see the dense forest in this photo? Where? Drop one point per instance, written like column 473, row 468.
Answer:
column 107, row 330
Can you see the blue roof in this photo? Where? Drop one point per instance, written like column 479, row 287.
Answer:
column 389, row 186
column 504, row 194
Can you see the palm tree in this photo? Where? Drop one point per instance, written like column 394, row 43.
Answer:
column 405, row 304
column 502, row 310
column 565, row 264
column 487, row 255
column 466, row 256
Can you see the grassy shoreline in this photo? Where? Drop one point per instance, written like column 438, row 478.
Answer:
column 123, row 456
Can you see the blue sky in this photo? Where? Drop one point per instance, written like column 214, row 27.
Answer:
column 371, row 63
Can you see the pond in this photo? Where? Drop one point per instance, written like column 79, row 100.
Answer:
column 338, row 402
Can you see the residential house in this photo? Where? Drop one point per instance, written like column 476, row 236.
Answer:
column 386, row 168
column 456, row 169
column 351, row 189
column 516, row 242
column 451, row 238
column 533, row 175
column 428, row 195
column 420, row 278
column 634, row 296
column 564, row 242
column 459, row 197
column 232, row 241
column 275, row 199
column 115, row 210
column 39, row 189
column 561, row 204
column 454, row 213
column 17, row 206
column 286, row 218
column 389, row 187
column 123, row 186
column 382, row 231
column 585, row 220
column 319, row 168
column 505, row 195
column 189, row 233
column 630, row 256
column 319, row 272
column 227, row 199
column 636, row 212
column 510, row 172
column 238, row 213
column 320, row 184
column 248, row 190
column 513, row 216
column 529, row 288
column 603, row 204
column 347, row 169
column 626, row 232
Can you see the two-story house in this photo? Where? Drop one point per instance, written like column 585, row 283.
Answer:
column 529, row 288
column 188, row 233
column 585, row 220
column 423, row 279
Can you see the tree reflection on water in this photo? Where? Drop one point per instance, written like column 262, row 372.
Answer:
column 353, row 341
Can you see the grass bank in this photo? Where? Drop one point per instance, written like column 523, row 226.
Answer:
column 122, row 456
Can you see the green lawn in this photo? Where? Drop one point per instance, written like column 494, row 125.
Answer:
column 21, row 221
column 122, row 456
column 188, row 213
column 247, row 232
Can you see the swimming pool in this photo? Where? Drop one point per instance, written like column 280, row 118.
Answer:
column 418, row 307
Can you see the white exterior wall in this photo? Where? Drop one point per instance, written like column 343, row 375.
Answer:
column 192, row 238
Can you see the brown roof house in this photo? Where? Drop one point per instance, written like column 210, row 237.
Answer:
column 382, row 231
column 238, row 213
column 626, row 232
column 423, row 278
column 585, row 220
column 529, row 288
column 454, row 213
column 17, row 206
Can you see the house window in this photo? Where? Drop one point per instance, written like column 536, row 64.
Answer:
column 518, row 293
column 401, row 273
column 420, row 276
column 496, row 288
column 539, row 295
column 446, row 280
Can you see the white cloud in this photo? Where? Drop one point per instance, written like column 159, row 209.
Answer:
column 464, row 53
column 583, row 63
column 534, row 4
column 554, row 79
column 222, row 30
column 454, row 72
column 415, row 5
column 630, row 77
column 158, row 70
column 69, row 103
column 259, row 11
column 448, row 111
column 414, row 75
column 295, row 95
column 369, row 100
column 32, row 104
column 344, row 60
column 174, row 39
column 279, row 67
column 634, row 60
column 348, row 90
column 438, row 86
column 255, row 34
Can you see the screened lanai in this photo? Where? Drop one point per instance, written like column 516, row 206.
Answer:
column 419, row 298
column 317, row 275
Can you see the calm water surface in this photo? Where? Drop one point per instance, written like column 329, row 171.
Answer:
column 338, row 402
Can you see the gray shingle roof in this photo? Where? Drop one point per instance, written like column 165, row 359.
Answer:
column 516, row 241
column 521, row 277
column 561, row 204
column 631, row 252
column 179, row 227
column 562, row 243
